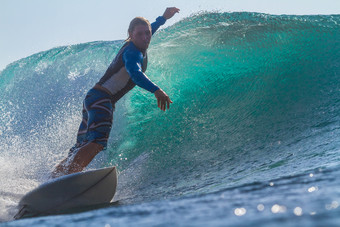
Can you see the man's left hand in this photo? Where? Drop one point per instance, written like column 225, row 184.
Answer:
column 163, row 99
column 170, row 12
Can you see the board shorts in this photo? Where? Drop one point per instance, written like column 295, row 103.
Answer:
column 97, row 119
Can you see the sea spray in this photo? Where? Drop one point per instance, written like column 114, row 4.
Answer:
column 256, row 105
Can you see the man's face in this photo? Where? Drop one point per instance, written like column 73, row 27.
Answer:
column 141, row 36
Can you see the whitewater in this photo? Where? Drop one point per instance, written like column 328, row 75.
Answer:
column 251, row 139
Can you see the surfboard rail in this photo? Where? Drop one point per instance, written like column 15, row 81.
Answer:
column 71, row 191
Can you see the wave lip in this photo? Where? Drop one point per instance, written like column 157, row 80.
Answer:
column 255, row 96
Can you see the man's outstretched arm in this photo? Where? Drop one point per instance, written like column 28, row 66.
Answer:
column 168, row 13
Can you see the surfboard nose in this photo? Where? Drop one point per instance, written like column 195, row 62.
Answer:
column 70, row 191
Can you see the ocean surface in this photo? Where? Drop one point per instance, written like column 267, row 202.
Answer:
column 252, row 137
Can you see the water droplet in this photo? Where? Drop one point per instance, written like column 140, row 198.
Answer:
column 312, row 189
column 260, row 207
column 240, row 211
column 333, row 205
column 278, row 209
column 298, row 211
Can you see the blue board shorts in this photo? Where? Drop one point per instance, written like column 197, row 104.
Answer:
column 97, row 119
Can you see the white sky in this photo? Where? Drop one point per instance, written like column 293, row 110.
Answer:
column 31, row 26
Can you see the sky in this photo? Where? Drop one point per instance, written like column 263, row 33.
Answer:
column 30, row 26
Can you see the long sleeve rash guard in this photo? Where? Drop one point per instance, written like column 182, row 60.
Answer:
column 127, row 69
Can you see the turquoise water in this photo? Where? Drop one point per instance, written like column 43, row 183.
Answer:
column 252, row 138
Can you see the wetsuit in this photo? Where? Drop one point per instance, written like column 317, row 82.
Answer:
column 124, row 73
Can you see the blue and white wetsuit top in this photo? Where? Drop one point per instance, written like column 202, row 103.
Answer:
column 127, row 69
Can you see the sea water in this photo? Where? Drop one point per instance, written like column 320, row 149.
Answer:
column 251, row 139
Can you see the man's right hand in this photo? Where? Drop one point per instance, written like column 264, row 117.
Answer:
column 163, row 99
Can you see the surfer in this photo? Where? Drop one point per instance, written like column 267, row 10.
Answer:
column 125, row 72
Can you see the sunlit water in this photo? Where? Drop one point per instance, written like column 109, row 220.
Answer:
column 252, row 138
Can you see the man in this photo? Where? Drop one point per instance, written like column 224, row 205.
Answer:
column 126, row 71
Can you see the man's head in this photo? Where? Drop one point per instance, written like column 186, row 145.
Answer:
column 140, row 33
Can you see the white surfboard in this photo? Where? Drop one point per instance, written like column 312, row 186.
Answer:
column 76, row 190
